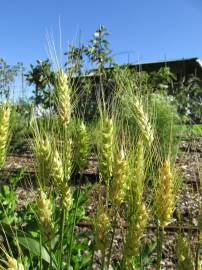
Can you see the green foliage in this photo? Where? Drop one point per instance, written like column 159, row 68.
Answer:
column 26, row 232
column 155, row 113
column 8, row 199
column 98, row 51
column 162, row 80
column 75, row 59
column 188, row 96
column 21, row 131
column 185, row 258
column 7, row 77
column 166, row 121
column 42, row 77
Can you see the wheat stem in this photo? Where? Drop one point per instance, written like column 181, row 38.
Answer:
column 159, row 247
column 72, row 229
column 112, row 238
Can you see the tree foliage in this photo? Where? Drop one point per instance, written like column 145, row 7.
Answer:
column 42, row 76
column 8, row 74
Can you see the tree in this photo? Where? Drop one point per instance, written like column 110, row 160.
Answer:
column 188, row 95
column 98, row 51
column 7, row 77
column 75, row 59
column 163, row 80
column 42, row 77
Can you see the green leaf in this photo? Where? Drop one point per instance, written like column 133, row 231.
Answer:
column 34, row 247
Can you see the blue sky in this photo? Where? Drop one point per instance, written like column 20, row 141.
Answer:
column 144, row 30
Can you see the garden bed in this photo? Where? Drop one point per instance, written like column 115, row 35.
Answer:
column 189, row 163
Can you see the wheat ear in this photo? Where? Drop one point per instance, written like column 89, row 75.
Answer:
column 13, row 264
column 142, row 120
column 137, row 224
column 164, row 200
column 106, row 153
column 5, row 111
column 119, row 184
column 45, row 213
column 63, row 98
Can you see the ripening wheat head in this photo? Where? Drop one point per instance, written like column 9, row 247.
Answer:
column 101, row 230
column 119, row 179
column 13, row 264
column 44, row 149
column 137, row 224
column 63, row 97
column 106, row 151
column 67, row 158
column 82, row 147
column 164, row 199
column 5, row 111
column 57, row 168
column 45, row 212
column 138, row 175
column 67, row 199
column 142, row 120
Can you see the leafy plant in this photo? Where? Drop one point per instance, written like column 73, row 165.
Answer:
column 188, row 96
column 8, row 74
column 42, row 77
column 98, row 51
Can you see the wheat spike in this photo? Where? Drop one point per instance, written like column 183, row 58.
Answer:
column 61, row 183
column 164, row 200
column 142, row 120
column 101, row 230
column 106, row 155
column 119, row 179
column 138, row 176
column 63, row 97
column 67, row 159
column 12, row 264
column 44, row 149
column 67, row 200
column 45, row 215
column 5, row 111
column 82, row 148
column 57, row 169
column 137, row 224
